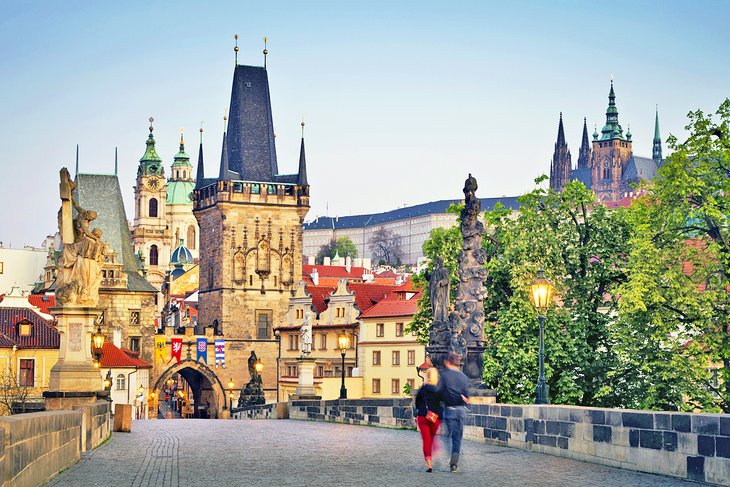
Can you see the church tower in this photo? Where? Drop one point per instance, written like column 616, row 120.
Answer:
column 150, row 233
column 611, row 153
column 656, row 152
column 584, row 155
column 250, row 220
column 182, row 223
column 561, row 166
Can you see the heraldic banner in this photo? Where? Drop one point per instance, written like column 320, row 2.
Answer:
column 176, row 349
column 202, row 350
column 160, row 346
column 220, row 352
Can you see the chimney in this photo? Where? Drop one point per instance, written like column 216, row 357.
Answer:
column 357, row 262
column 310, row 260
column 366, row 263
column 348, row 263
column 327, row 261
column 315, row 276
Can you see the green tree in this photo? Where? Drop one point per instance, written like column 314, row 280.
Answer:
column 343, row 246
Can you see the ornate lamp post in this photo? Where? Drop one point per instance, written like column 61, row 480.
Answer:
column 97, row 345
column 343, row 340
column 230, row 393
column 259, row 367
column 541, row 294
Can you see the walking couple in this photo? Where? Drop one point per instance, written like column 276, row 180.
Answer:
column 442, row 398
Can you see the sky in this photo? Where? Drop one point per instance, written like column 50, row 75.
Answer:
column 401, row 99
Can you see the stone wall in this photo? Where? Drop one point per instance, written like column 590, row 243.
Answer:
column 388, row 413
column 35, row 447
column 263, row 411
column 684, row 445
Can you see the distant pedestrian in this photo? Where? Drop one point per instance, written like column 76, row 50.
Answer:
column 453, row 389
column 428, row 412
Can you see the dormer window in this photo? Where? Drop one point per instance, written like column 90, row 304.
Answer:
column 25, row 328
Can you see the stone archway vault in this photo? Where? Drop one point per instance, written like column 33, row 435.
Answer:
column 202, row 369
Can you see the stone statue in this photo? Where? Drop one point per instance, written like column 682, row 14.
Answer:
column 252, row 359
column 307, row 334
column 438, row 287
column 82, row 254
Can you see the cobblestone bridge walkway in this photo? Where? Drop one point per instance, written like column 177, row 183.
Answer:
column 284, row 452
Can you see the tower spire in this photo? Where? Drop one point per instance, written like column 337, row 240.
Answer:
column 235, row 51
column 612, row 129
column 657, row 143
column 116, row 166
column 224, row 173
column 584, row 154
column 302, row 177
column 201, row 170
column 561, row 166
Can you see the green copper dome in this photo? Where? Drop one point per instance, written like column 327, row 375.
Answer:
column 150, row 163
column 178, row 192
column 181, row 158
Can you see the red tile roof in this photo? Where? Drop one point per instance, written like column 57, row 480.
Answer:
column 113, row 357
column 320, row 296
column 392, row 307
column 42, row 301
column 334, row 271
column 43, row 333
column 366, row 295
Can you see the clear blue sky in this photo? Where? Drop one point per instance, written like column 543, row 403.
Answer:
column 401, row 99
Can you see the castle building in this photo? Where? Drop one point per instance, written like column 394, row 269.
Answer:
column 250, row 219
column 163, row 210
column 608, row 166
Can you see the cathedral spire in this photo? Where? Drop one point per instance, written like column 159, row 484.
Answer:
column 224, row 174
column 150, row 163
column 561, row 131
column 612, row 129
column 302, row 178
column 561, row 166
column 584, row 154
column 201, row 170
column 656, row 152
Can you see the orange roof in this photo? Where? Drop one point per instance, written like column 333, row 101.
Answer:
column 320, row 295
column 42, row 301
column 392, row 307
column 334, row 271
column 113, row 357
column 366, row 295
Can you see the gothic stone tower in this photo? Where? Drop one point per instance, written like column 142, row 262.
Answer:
column 561, row 166
column 610, row 155
column 151, row 234
column 250, row 220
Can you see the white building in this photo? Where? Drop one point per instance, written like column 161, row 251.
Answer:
column 130, row 378
column 21, row 268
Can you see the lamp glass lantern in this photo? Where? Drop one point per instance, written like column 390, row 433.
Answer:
column 343, row 340
column 259, row 365
column 230, row 383
column 541, row 292
column 97, row 341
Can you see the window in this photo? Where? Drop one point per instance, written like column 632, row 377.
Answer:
column 376, row 386
column 191, row 237
column 396, row 357
column 379, row 330
column 134, row 317
column 121, row 382
column 153, row 208
column 134, row 344
column 395, row 386
column 320, row 371
column 376, row 357
column 250, row 279
column 27, row 372
column 292, row 371
column 263, row 324
column 271, row 189
column 411, row 383
column 411, row 357
column 299, row 313
column 294, row 341
column 153, row 255
column 255, row 189
column 323, row 341
column 2, row 267
column 399, row 329
column 25, row 328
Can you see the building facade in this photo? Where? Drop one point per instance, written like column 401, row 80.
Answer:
column 608, row 166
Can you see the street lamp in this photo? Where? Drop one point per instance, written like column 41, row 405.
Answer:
column 108, row 380
column 259, row 365
column 541, row 293
column 230, row 393
column 343, row 340
column 97, row 345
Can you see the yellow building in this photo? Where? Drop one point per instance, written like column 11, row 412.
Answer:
column 28, row 349
column 388, row 354
column 332, row 311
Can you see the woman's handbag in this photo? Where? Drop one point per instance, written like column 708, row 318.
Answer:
column 431, row 417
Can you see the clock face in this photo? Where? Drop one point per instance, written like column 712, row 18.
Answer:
column 153, row 183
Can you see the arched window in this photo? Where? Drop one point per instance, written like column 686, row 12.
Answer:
column 121, row 382
column 153, row 208
column 153, row 255
column 191, row 237
column 185, row 174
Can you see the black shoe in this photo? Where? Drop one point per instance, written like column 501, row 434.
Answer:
column 453, row 468
column 429, row 470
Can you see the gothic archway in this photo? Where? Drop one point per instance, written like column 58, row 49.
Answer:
column 203, row 382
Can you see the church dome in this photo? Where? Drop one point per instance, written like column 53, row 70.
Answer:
column 181, row 255
column 178, row 192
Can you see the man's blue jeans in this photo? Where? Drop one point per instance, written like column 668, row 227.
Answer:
column 455, row 417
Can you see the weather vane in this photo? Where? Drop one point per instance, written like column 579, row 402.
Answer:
column 266, row 51
column 151, row 120
column 235, row 49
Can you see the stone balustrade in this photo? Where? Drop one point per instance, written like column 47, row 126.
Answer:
column 685, row 445
column 35, row 447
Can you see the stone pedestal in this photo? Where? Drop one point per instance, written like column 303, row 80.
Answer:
column 123, row 418
column 305, row 386
column 74, row 379
column 482, row 396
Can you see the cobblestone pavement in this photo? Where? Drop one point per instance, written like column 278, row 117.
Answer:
column 285, row 452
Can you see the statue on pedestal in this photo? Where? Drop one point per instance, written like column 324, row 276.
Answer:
column 252, row 394
column 306, row 332
column 79, row 268
column 439, row 287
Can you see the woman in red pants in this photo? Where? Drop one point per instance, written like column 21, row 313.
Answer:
column 428, row 414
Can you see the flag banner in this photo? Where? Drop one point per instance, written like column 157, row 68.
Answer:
column 160, row 346
column 176, row 350
column 220, row 353
column 202, row 350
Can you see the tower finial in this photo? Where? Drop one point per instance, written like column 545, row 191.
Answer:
column 302, row 124
column 151, row 121
column 77, row 159
column 266, row 51
column 115, row 161
column 182, row 140
column 225, row 119
column 201, row 131
column 235, row 50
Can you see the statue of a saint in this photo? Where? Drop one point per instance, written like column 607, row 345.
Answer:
column 438, row 287
column 252, row 359
column 307, row 334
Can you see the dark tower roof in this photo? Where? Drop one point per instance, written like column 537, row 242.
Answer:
column 302, row 180
column 561, row 132
column 584, row 154
column 224, row 174
column 656, row 152
column 251, row 150
column 201, row 169
column 612, row 129
column 561, row 165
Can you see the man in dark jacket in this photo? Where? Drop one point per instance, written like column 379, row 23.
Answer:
column 454, row 391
